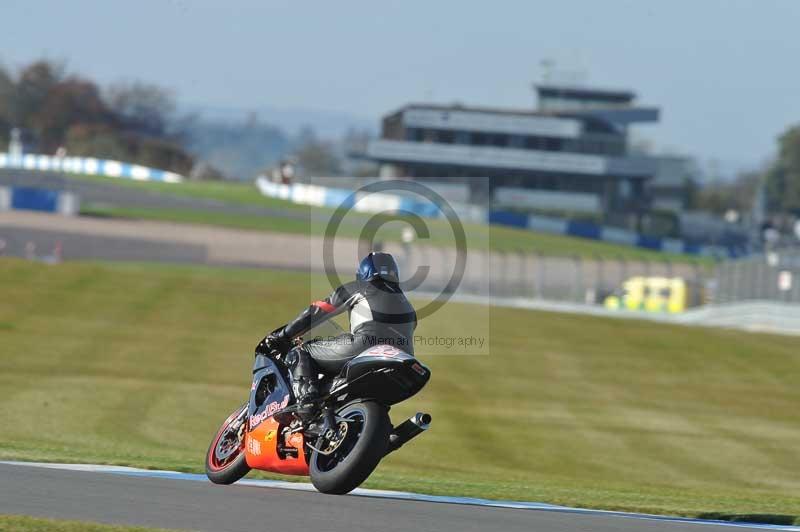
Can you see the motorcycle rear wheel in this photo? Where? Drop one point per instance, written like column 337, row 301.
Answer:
column 225, row 460
column 364, row 446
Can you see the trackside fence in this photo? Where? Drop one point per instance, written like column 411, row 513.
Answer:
column 774, row 276
column 589, row 280
column 530, row 275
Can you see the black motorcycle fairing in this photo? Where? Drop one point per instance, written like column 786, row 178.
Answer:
column 382, row 373
column 389, row 377
column 270, row 390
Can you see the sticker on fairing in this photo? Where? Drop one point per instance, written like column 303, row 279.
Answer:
column 268, row 411
column 385, row 351
column 254, row 446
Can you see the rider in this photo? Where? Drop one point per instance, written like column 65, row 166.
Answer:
column 379, row 314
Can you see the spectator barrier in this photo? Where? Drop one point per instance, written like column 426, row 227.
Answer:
column 333, row 197
column 86, row 165
column 38, row 199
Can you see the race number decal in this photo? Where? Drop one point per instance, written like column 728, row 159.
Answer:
column 385, row 351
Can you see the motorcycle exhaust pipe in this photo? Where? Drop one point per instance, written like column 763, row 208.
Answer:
column 408, row 429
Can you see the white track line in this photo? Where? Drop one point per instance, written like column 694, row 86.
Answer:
column 402, row 495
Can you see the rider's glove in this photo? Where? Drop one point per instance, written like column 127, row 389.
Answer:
column 273, row 344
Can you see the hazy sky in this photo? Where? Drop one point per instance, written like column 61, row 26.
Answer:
column 726, row 72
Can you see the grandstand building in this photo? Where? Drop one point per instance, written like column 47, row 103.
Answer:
column 570, row 154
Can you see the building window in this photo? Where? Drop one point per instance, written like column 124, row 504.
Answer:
column 533, row 143
column 479, row 139
column 445, row 137
column 414, row 134
column 499, row 140
column 624, row 189
column 463, row 137
column 551, row 144
column 516, row 141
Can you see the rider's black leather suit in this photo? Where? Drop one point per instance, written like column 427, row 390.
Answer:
column 379, row 314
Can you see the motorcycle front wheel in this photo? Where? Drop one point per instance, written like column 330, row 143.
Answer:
column 363, row 444
column 225, row 460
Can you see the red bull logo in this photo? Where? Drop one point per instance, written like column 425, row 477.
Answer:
column 268, row 411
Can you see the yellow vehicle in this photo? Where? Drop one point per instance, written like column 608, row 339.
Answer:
column 650, row 294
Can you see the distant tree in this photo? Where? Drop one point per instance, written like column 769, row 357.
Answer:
column 34, row 84
column 96, row 140
column 145, row 112
column 691, row 190
column 356, row 140
column 318, row 158
column 163, row 153
column 783, row 177
column 7, row 89
column 240, row 150
column 719, row 196
column 143, row 108
column 130, row 122
column 314, row 156
column 307, row 135
column 354, row 145
column 70, row 102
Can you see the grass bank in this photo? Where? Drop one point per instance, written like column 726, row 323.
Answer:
column 20, row 523
column 481, row 237
column 239, row 193
column 137, row 364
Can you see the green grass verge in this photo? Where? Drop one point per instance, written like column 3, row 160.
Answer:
column 228, row 191
column 497, row 238
column 221, row 219
column 481, row 237
column 138, row 364
column 19, row 523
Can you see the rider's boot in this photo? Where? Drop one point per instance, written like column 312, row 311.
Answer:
column 306, row 399
column 304, row 408
column 304, row 387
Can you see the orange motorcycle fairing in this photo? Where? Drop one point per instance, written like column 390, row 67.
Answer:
column 261, row 450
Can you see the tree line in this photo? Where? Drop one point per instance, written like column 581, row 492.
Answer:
column 782, row 178
column 137, row 122
column 55, row 109
column 779, row 182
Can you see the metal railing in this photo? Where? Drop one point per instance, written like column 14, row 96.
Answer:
column 575, row 279
column 773, row 276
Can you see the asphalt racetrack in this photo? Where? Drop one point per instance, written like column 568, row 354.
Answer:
column 202, row 506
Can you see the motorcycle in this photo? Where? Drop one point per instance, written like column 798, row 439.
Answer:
column 342, row 442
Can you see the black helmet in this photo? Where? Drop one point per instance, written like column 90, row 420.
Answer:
column 378, row 264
